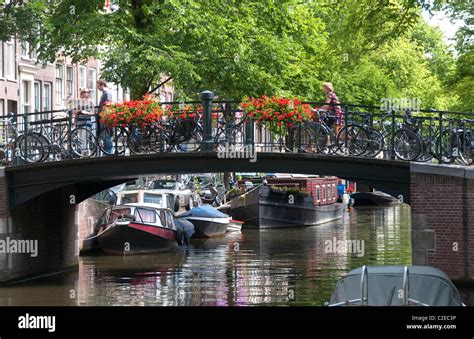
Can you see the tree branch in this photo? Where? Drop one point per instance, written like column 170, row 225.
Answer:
column 159, row 85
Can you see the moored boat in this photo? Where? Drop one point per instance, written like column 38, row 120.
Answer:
column 288, row 202
column 138, row 228
column 375, row 198
column 395, row 286
column 208, row 221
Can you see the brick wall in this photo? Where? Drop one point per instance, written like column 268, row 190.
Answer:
column 58, row 226
column 470, row 231
column 442, row 220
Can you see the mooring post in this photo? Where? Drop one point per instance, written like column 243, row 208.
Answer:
column 207, row 143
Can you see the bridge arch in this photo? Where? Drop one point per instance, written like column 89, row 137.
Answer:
column 85, row 177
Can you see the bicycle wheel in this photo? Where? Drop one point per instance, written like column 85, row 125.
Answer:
column 465, row 151
column 231, row 137
column 376, row 143
column 407, row 144
column 143, row 140
column 428, row 150
column 83, row 142
column 446, row 143
column 111, row 141
column 309, row 134
column 357, row 140
column 31, row 148
column 289, row 142
column 188, row 136
column 46, row 145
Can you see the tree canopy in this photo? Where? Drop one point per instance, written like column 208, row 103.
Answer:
column 369, row 49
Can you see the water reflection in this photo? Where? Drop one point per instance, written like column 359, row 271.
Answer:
column 272, row 267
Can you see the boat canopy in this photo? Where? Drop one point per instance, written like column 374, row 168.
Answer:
column 395, row 286
column 204, row 211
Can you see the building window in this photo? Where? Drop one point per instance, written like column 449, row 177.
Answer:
column 37, row 102
column 25, row 46
column 4, row 129
column 82, row 77
column 59, row 85
column 69, row 82
column 324, row 192
column 1, row 59
column 47, row 94
column 318, row 194
column 26, row 97
column 92, row 84
column 11, row 62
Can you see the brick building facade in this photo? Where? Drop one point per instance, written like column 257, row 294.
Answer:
column 29, row 86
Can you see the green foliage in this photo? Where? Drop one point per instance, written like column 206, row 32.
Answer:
column 369, row 49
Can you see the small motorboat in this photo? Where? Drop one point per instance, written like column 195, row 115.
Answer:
column 138, row 228
column 208, row 221
column 375, row 198
column 234, row 226
column 395, row 286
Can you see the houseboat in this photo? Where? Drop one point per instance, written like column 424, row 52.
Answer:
column 289, row 201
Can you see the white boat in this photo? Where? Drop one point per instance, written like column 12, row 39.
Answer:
column 207, row 221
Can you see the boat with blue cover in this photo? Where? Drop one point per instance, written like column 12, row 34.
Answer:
column 208, row 221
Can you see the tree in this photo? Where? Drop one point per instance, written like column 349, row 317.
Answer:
column 369, row 49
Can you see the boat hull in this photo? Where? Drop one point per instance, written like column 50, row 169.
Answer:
column 373, row 199
column 207, row 227
column 136, row 238
column 262, row 208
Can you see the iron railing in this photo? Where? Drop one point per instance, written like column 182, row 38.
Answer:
column 367, row 131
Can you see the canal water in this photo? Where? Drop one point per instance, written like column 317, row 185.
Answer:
column 256, row 267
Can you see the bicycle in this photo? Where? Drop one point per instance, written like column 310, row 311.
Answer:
column 112, row 140
column 352, row 139
column 461, row 144
column 62, row 143
column 29, row 146
column 228, row 133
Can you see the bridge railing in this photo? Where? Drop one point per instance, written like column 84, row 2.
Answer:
column 222, row 126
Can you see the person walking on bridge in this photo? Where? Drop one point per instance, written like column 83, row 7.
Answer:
column 106, row 97
column 332, row 107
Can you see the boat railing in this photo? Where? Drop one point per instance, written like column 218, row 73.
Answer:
column 406, row 288
column 364, row 286
column 364, row 291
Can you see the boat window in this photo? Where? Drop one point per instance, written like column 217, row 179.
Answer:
column 170, row 199
column 129, row 198
column 162, row 217
column 145, row 215
column 164, row 185
column 169, row 220
column 153, row 198
column 118, row 211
